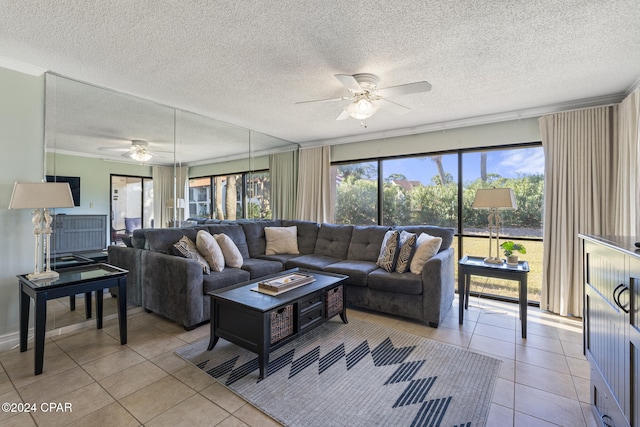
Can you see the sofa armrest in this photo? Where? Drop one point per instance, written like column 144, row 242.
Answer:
column 438, row 286
column 172, row 287
column 130, row 260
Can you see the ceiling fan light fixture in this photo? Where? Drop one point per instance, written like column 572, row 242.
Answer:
column 140, row 155
column 361, row 109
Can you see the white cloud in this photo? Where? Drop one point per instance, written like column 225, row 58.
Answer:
column 526, row 161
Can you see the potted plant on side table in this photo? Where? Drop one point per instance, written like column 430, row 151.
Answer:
column 509, row 248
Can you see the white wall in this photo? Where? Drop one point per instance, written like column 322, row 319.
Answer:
column 502, row 133
column 21, row 142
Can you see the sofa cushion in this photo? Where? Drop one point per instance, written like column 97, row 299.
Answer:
column 446, row 234
column 138, row 240
column 406, row 251
column 426, row 247
column 281, row 240
column 254, row 233
column 307, row 234
column 235, row 231
column 311, row 262
column 357, row 270
column 210, row 249
column 218, row 280
column 232, row 255
column 162, row 239
column 186, row 248
column 402, row 283
column 261, row 267
column 333, row 240
column 281, row 258
column 366, row 242
column 388, row 250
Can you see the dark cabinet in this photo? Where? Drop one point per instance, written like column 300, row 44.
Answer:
column 611, row 333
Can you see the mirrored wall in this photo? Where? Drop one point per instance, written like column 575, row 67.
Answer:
column 130, row 160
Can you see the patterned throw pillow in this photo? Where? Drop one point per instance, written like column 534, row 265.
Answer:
column 407, row 248
column 388, row 250
column 426, row 247
column 232, row 255
column 187, row 249
column 210, row 250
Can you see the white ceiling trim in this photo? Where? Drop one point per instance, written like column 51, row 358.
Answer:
column 473, row 121
column 21, row 67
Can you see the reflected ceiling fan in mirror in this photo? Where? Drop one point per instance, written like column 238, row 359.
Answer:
column 366, row 98
column 138, row 151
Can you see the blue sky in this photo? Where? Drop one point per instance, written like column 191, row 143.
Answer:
column 506, row 163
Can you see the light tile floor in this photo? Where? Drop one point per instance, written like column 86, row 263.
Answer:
column 544, row 380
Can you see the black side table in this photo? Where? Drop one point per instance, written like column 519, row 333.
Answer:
column 475, row 266
column 73, row 280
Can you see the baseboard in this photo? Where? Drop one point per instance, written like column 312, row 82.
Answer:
column 12, row 341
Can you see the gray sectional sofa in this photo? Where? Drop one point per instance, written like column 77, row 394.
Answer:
column 176, row 287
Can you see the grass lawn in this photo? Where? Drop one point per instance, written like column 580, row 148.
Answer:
column 480, row 247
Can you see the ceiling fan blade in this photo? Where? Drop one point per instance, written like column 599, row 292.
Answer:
column 405, row 89
column 343, row 116
column 324, row 100
column 394, row 107
column 114, row 149
column 349, row 82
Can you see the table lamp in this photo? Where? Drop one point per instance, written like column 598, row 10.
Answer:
column 494, row 199
column 41, row 196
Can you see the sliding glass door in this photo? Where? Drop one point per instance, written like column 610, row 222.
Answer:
column 131, row 205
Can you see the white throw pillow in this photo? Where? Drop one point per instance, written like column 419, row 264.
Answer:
column 232, row 255
column 426, row 247
column 281, row 240
column 210, row 249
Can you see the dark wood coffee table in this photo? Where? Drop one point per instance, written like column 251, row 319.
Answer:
column 262, row 323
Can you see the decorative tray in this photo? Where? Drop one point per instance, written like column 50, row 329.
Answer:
column 284, row 283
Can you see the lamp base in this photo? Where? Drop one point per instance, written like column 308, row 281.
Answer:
column 493, row 260
column 44, row 275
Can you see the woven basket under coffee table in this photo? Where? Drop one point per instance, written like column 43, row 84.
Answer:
column 262, row 323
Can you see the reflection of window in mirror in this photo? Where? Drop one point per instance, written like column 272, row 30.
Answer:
column 128, row 211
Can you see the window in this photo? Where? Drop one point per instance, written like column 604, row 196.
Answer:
column 521, row 169
column 421, row 190
column 355, row 193
column 235, row 196
column 439, row 188
column 258, row 191
column 200, row 198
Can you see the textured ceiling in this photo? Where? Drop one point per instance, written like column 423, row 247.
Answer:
column 248, row 62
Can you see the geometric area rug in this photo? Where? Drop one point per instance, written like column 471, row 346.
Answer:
column 358, row 374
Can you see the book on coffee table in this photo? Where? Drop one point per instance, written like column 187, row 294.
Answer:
column 284, row 283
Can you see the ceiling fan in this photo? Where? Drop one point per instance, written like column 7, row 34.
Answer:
column 138, row 151
column 366, row 98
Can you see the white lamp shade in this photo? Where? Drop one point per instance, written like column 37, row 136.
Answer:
column 500, row 198
column 35, row 195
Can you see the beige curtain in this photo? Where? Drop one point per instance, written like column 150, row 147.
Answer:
column 580, row 178
column 314, row 184
column 284, row 179
column 627, row 199
column 167, row 181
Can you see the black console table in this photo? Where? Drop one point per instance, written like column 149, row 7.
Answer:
column 73, row 280
column 475, row 266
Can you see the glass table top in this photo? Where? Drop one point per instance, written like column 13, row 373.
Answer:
column 77, row 274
